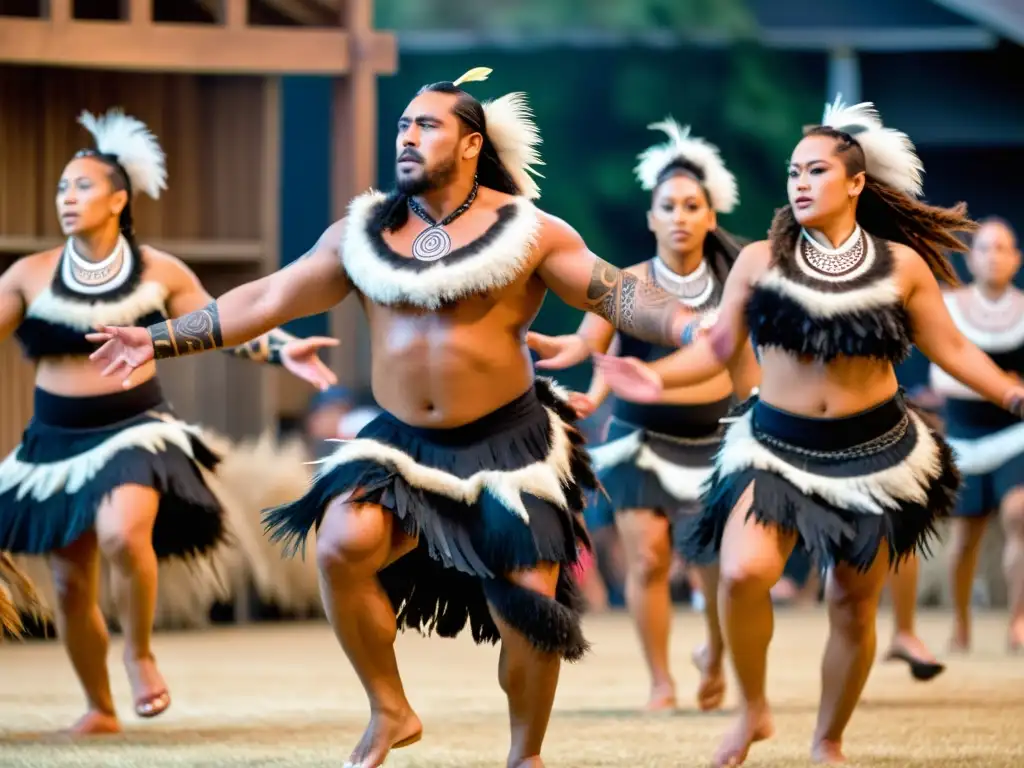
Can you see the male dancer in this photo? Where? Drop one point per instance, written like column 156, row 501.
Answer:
column 463, row 501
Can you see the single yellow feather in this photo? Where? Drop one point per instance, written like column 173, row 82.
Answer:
column 475, row 75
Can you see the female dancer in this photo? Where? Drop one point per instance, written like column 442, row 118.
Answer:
column 828, row 454
column 100, row 469
column 988, row 442
column 656, row 456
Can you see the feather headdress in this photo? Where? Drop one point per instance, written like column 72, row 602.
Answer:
column 134, row 146
column 512, row 131
column 720, row 184
column 889, row 154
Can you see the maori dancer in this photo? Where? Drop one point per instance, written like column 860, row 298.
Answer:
column 657, row 456
column 459, row 507
column 987, row 441
column 105, row 468
column 829, row 455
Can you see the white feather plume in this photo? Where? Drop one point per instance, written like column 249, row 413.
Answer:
column 511, row 129
column 890, row 155
column 718, row 181
column 133, row 144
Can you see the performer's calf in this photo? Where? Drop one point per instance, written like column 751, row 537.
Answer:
column 968, row 533
column 752, row 559
column 124, row 526
column 354, row 542
column 83, row 631
column 852, row 610
column 648, row 550
column 528, row 676
column 1012, row 514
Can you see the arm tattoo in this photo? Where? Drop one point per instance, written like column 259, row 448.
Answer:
column 639, row 308
column 264, row 349
column 189, row 334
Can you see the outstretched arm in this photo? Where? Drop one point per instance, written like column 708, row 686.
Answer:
column 937, row 336
column 584, row 281
column 309, row 286
column 723, row 346
column 12, row 300
column 275, row 347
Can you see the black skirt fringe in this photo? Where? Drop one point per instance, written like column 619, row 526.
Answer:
column 52, row 484
column 841, row 516
column 467, row 541
column 686, row 437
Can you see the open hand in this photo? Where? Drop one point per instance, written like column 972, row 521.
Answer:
column 630, row 378
column 124, row 350
column 558, row 352
column 582, row 404
column 299, row 356
column 1014, row 401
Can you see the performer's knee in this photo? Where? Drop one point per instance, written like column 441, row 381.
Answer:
column 72, row 581
column 124, row 526
column 124, row 545
column 353, row 539
column 853, row 598
column 1012, row 513
column 748, row 576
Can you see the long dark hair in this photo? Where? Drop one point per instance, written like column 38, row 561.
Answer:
column 119, row 180
column 720, row 246
column 489, row 170
column 887, row 213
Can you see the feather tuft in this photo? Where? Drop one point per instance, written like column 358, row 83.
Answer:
column 681, row 146
column 133, row 144
column 890, row 155
column 515, row 136
column 475, row 75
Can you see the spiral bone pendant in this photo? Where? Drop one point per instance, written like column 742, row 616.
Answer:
column 431, row 244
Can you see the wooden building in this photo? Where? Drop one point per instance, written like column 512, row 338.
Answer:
column 205, row 77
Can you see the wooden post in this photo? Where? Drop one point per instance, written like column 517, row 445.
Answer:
column 354, row 164
column 139, row 13
column 57, row 11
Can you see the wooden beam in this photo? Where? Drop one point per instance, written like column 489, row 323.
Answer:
column 192, row 251
column 198, row 48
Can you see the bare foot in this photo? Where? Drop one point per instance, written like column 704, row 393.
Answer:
column 663, row 697
column 711, row 689
column 95, row 723
column 149, row 690
column 913, row 646
column 384, row 733
column 959, row 643
column 751, row 727
column 1015, row 637
column 825, row 751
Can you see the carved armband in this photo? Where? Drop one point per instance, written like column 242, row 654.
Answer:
column 189, row 334
column 265, row 349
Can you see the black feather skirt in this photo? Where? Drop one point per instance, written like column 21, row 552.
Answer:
column 846, row 486
column 503, row 493
column 655, row 457
column 77, row 450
